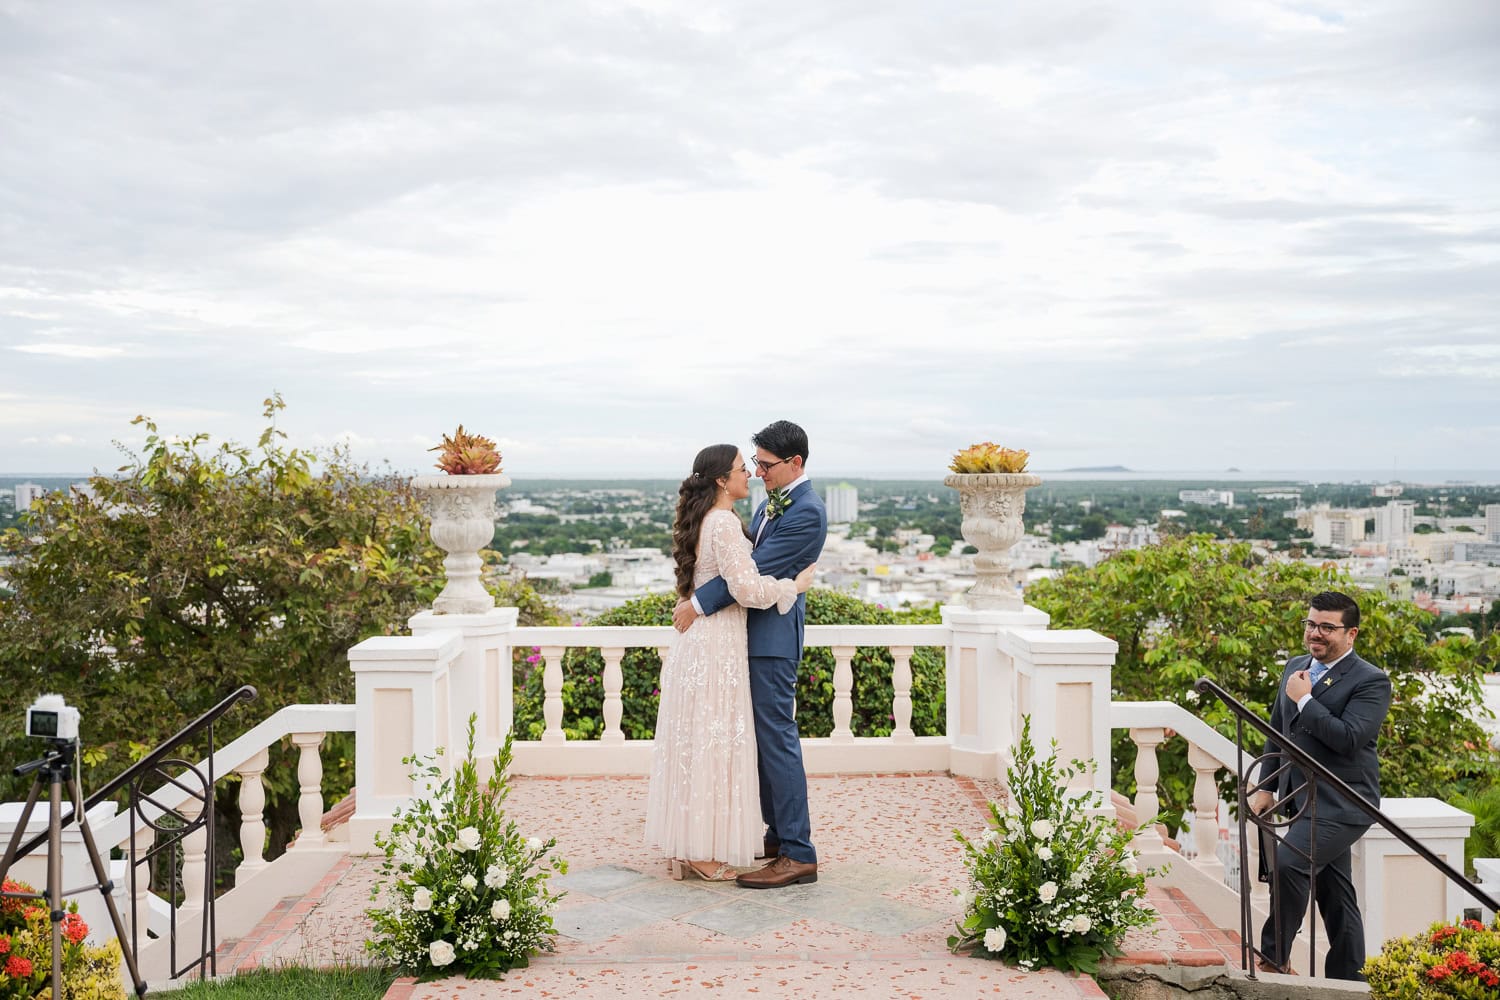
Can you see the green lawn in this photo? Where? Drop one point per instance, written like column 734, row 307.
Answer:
column 294, row 983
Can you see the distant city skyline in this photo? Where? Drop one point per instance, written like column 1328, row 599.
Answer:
column 1157, row 234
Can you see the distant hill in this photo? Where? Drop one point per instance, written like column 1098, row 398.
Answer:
column 1099, row 468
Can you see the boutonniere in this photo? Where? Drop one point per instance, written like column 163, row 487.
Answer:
column 1328, row 681
column 777, row 501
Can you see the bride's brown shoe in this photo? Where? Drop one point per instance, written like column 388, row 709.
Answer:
column 720, row 872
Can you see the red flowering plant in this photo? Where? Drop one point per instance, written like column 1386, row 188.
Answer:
column 89, row 972
column 1459, row 960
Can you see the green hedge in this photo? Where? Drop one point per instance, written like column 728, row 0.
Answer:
column 583, row 670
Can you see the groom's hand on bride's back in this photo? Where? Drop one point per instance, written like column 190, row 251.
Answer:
column 684, row 615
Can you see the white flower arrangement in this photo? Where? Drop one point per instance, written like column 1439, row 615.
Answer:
column 1014, row 907
column 465, row 892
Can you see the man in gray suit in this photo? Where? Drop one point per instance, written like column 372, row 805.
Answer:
column 1332, row 705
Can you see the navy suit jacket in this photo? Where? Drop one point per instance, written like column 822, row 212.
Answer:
column 790, row 544
column 1339, row 729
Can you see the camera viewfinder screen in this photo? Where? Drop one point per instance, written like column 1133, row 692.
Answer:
column 43, row 723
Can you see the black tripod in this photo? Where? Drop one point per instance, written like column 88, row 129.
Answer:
column 57, row 768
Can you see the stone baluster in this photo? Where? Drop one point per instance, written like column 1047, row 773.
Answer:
column 901, row 702
column 843, row 701
column 140, row 890
column 1206, row 810
column 310, row 787
column 552, row 703
column 613, row 709
column 1147, row 773
column 194, row 861
column 252, row 815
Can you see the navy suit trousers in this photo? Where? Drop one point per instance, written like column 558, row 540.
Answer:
column 783, row 781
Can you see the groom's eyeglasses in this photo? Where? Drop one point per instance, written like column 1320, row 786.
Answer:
column 765, row 466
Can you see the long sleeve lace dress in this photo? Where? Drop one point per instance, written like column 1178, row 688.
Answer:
column 703, row 800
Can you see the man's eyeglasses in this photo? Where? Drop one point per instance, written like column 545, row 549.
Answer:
column 1322, row 628
column 765, row 466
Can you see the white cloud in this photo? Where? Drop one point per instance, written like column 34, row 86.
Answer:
column 611, row 233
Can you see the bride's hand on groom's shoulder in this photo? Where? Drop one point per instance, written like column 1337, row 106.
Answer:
column 805, row 578
column 683, row 616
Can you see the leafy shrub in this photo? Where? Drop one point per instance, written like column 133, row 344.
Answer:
column 1050, row 883
column 640, row 693
column 1451, row 960
column 467, row 893
column 89, row 972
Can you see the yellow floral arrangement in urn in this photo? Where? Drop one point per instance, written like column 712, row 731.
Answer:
column 987, row 456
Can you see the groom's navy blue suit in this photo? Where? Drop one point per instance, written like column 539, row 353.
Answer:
column 788, row 545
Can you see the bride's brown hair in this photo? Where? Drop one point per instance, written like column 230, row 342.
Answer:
column 695, row 498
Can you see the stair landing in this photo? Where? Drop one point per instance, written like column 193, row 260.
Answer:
column 875, row 923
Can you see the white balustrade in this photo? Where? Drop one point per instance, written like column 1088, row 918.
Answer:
column 1206, row 808
column 194, row 860
column 613, row 681
column 843, row 689
column 252, row 813
column 310, row 787
column 901, row 694
column 1147, row 773
column 552, row 704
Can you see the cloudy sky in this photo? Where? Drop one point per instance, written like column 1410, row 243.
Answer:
column 1168, row 235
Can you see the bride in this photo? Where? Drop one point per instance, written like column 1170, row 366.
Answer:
column 703, row 801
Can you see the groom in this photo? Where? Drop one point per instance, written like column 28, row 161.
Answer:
column 788, row 532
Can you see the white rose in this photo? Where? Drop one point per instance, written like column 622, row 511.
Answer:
column 501, row 909
column 994, row 939
column 1081, row 924
column 1128, row 863
column 441, row 953
column 421, row 900
column 533, row 844
column 469, row 882
column 1045, row 853
column 1047, row 891
column 468, row 839
column 989, row 837
column 495, row 877
column 1041, row 829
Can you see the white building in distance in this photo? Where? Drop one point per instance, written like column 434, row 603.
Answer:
column 1492, row 522
column 843, row 504
column 28, row 494
column 1396, row 521
column 1208, row 498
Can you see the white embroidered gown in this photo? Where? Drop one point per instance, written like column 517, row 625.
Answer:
column 703, row 800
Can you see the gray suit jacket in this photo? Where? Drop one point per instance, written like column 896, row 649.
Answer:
column 1339, row 728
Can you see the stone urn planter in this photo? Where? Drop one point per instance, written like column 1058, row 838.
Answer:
column 463, row 522
column 992, row 504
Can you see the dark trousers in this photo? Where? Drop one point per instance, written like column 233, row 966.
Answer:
column 1337, row 903
column 778, row 746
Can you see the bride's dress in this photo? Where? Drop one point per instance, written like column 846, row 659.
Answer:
column 703, row 800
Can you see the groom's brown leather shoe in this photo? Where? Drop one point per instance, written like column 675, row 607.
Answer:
column 783, row 871
column 768, row 849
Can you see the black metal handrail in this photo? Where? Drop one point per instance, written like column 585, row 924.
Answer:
column 146, row 763
column 1299, row 757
